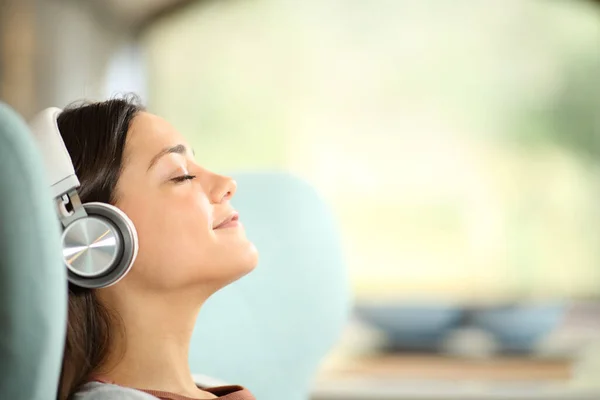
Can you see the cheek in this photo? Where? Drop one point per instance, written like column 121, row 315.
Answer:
column 173, row 233
column 178, row 223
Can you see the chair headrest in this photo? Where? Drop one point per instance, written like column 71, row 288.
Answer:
column 33, row 284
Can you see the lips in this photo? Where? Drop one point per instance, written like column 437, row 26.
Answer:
column 229, row 222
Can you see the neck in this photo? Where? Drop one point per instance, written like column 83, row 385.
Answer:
column 153, row 353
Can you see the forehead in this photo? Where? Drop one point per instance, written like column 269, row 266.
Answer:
column 149, row 134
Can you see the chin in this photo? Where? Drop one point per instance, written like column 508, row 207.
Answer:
column 237, row 271
column 239, row 262
column 249, row 261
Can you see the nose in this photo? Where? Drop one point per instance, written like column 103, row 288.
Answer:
column 224, row 188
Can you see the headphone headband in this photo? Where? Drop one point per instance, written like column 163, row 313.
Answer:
column 59, row 167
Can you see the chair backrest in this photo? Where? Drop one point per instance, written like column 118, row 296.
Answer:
column 33, row 283
column 270, row 330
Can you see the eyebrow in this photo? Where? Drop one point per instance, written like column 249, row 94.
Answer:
column 177, row 149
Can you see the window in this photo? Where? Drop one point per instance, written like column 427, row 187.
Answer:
column 457, row 141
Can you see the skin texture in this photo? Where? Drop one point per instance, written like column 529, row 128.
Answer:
column 182, row 259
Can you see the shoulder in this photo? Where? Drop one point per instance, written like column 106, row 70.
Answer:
column 107, row 391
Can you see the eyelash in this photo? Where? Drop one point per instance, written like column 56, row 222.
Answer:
column 183, row 178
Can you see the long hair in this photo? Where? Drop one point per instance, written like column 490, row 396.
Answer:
column 95, row 135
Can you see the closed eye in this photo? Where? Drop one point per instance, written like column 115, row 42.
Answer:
column 183, row 178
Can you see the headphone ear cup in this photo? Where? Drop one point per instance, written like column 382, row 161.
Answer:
column 99, row 249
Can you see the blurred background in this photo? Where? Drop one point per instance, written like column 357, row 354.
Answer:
column 457, row 143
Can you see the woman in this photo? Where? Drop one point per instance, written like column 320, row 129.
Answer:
column 131, row 340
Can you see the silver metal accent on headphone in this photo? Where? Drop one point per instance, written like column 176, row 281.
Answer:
column 75, row 209
column 91, row 246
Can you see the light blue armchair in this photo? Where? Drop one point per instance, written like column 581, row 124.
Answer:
column 33, row 282
column 270, row 330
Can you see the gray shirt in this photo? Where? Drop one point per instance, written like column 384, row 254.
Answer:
column 107, row 391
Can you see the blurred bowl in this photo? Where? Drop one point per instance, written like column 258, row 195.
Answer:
column 421, row 327
column 519, row 328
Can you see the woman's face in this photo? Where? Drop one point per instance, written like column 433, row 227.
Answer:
column 181, row 213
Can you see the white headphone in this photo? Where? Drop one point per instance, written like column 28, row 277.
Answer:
column 99, row 242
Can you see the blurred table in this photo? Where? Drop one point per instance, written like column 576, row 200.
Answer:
column 430, row 377
column 451, row 368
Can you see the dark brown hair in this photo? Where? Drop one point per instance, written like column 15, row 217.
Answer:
column 95, row 135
